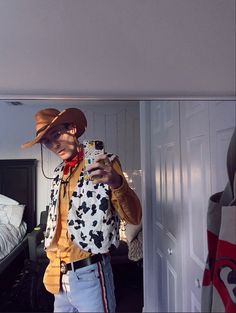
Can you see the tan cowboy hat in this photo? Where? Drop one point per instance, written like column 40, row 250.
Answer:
column 46, row 119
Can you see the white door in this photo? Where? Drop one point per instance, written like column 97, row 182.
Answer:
column 188, row 147
column 195, row 153
column 206, row 129
column 166, row 204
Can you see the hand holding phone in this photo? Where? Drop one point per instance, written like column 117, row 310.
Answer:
column 98, row 167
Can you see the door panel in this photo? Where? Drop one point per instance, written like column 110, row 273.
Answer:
column 157, row 192
column 170, row 209
column 222, row 123
column 166, row 202
column 171, row 288
column 195, row 154
column 197, row 184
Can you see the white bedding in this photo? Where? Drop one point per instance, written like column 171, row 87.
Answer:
column 10, row 237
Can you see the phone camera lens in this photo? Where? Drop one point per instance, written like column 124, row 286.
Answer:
column 98, row 145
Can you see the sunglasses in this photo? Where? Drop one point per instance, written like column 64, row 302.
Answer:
column 53, row 136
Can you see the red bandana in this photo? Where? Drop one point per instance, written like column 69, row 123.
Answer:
column 77, row 159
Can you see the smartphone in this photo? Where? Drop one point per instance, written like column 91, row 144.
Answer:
column 92, row 148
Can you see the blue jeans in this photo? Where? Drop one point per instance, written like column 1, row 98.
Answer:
column 87, row 289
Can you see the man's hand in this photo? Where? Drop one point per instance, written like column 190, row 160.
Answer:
column 101, row 171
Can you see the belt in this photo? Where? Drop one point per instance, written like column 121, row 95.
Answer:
column 64, row 267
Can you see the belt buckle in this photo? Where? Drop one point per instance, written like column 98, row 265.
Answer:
column 63, row 267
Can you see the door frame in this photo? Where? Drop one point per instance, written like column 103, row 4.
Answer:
column 149, row 288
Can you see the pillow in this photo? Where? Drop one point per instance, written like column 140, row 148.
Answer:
column 7, row 200
column 131, row 231
column 14, row 213
column 3, row 217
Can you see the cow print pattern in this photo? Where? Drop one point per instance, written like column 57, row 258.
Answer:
column 92, row 221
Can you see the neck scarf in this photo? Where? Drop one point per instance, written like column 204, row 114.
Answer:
column 77, row 159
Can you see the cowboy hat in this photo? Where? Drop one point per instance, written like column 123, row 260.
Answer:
column 46, row 119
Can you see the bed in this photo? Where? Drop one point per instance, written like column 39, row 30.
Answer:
column 17, row 183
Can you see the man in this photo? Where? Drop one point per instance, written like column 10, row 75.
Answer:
column 83, row 218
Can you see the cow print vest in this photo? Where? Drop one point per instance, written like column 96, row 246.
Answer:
column 92, row 222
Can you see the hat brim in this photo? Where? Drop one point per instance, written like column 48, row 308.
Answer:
column 71, row 115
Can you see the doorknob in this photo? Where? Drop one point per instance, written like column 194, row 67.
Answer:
column 170, row 252
column 198, row 283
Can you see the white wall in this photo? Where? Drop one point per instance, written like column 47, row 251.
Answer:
column 117, row 48
column 116, row 123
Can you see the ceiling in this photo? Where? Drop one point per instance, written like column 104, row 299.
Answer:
column 117, row 49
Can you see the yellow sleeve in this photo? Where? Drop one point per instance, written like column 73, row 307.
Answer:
column 125, row 200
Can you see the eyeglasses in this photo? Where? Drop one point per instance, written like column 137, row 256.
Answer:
column 53, row 136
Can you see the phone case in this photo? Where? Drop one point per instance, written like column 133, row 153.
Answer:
column 92, row 148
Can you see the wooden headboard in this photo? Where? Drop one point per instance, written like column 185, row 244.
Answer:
column 18, row 181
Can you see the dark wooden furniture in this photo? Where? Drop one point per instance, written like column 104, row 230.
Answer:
column 18, row 181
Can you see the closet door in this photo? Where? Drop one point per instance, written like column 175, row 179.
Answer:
column 166, row 204
column 206, row 129
column 195, row 153
column 188, row 144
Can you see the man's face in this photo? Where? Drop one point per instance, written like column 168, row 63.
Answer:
column 60, row 140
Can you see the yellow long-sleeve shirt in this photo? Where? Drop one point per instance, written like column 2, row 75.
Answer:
column 125, row 202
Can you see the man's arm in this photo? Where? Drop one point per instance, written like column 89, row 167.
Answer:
column 125, row 200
